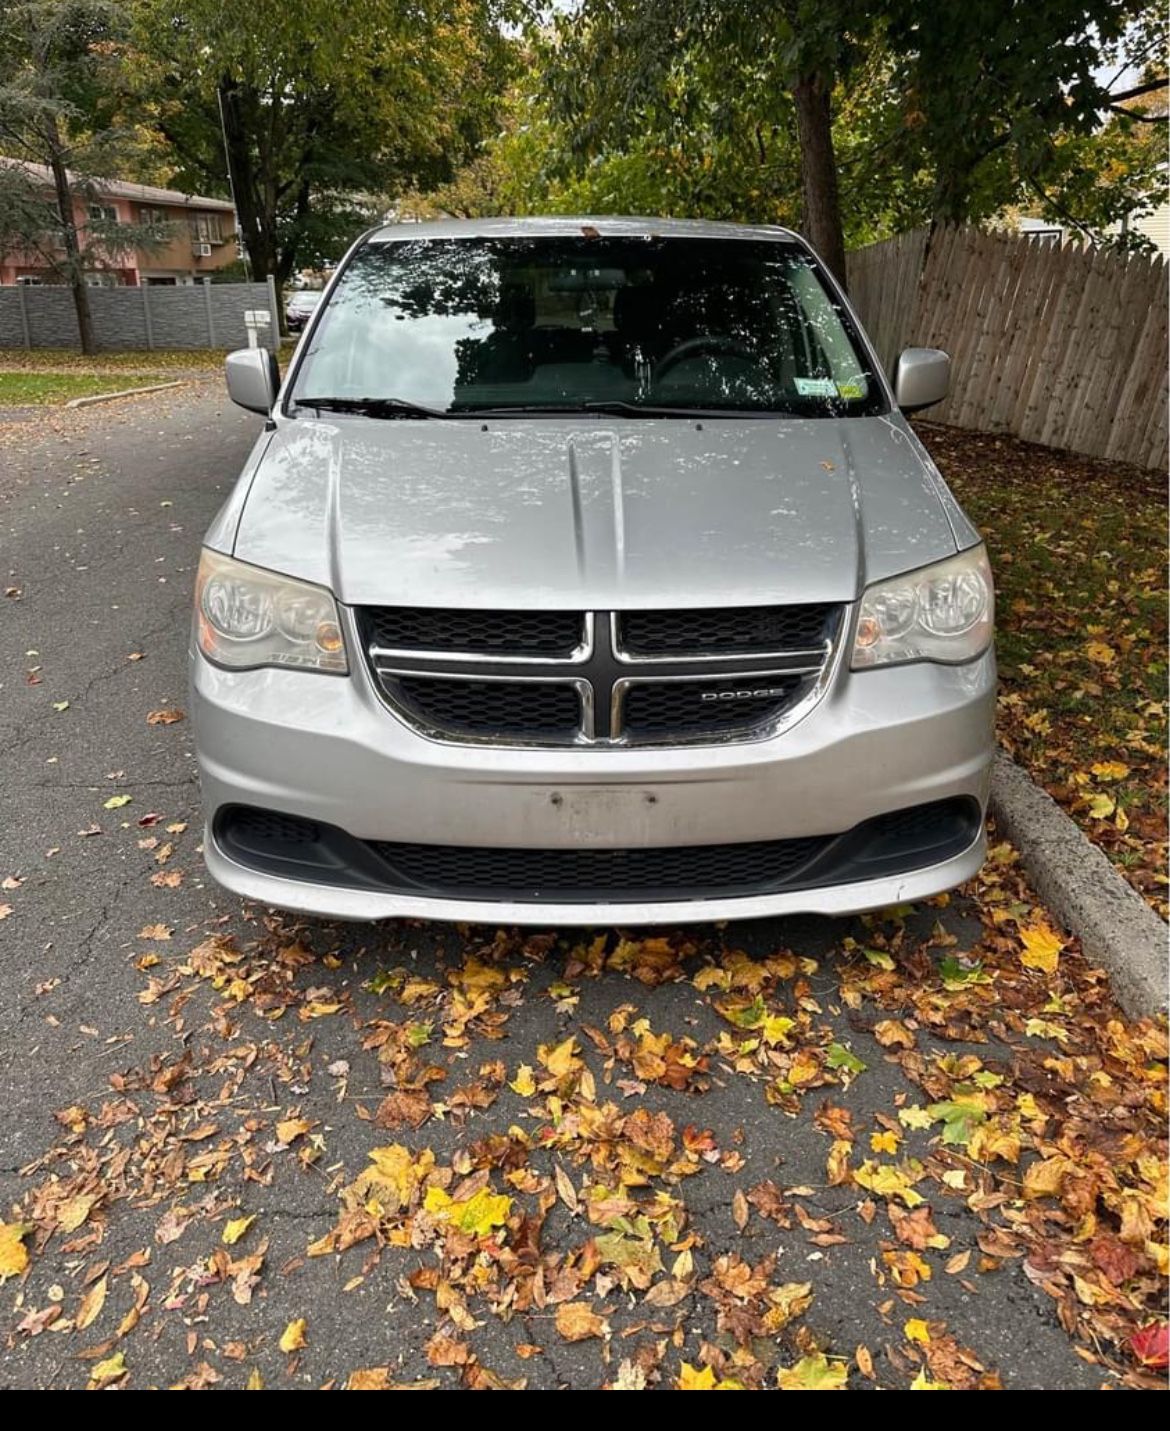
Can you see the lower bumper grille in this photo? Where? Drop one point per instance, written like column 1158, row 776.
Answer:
column 896, row 843
column 669, row 872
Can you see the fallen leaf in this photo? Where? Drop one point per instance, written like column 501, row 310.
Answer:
column 1151, row 1346
column 109, row 1370
column 814, row 1373
column 13, row 1253
column 1042, row 946
column 577, row 1321
column 92, row 1304
column 293, row 1338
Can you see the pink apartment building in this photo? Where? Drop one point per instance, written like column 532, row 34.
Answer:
column 200, row 235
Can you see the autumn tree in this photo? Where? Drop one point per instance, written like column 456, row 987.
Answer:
column 60, row 62
column 312, row 116
column 902, row 112
column 992, row 89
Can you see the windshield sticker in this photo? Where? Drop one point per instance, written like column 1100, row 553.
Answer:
column 816, row 387
column 850, row 390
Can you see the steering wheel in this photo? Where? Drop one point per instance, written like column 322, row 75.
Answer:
column 702, row 343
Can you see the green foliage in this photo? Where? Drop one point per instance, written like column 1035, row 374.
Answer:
column 937, row 112
column 320, row 116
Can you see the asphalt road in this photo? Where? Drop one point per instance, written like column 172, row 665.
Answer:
column 100, row 519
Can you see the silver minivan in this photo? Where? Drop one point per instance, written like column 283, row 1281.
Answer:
column 588, row 571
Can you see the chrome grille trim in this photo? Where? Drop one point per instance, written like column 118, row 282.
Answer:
column 602, row 677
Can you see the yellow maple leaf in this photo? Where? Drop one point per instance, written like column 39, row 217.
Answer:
column 560, row 1058
column 235, row 1228
column 814, row 1373
column 1110, row 770
column 776, row 1028
column 884, row 1142
column 524, row 1083
column 1042, row 946
column 692, row 1379
column 922, row 1382
column 1100, row 653
column 916, row 1330
column 109, row 1370
column 477, row 1216
column 293, row 1337
column 255, row 1380
column 13, row 1253
column 888, row 1182
column 1101, row 806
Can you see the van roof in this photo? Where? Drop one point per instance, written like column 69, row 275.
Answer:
column 562, row 226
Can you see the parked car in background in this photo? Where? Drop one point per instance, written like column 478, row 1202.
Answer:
column 301, row 307
column 588, row 571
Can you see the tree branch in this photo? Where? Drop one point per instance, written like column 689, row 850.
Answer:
column 1148, row 88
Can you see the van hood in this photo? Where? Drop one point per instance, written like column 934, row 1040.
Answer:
column 591, row 514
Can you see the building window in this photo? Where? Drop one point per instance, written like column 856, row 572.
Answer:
column 155, row 219
column 103, row 214
column 205, row 228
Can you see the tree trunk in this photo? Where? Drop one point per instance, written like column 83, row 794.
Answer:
column 820, row 202
column 73, row 257
column 256, row 225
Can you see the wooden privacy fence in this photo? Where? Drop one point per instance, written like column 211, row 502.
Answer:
column 1054, row 343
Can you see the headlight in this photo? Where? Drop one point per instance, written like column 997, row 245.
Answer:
column 246, row 617
column 944, row 612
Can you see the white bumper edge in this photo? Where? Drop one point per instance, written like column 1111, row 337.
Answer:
column 334, row 902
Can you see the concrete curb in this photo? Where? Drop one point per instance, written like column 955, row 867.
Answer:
column 121, row 393
column 1118, row 930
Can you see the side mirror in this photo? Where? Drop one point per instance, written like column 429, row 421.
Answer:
column 253, row 379
column 922, row 377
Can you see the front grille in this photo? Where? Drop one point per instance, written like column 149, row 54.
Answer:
column 728, row 629
column 551, row 634
column 689, row 871
column 471, row 708
column 601, row 677
column 664, row 708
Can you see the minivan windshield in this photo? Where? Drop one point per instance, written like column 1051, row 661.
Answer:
column 533, row 324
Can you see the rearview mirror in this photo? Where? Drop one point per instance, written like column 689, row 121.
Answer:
column 922, row 377
column 253, row 379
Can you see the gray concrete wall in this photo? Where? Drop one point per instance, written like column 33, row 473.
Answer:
column 203, row 316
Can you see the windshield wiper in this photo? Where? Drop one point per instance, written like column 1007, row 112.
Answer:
column 621, row 408
column 641, row 409
column 372, row 406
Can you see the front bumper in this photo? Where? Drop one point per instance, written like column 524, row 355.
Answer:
column 326, row 748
